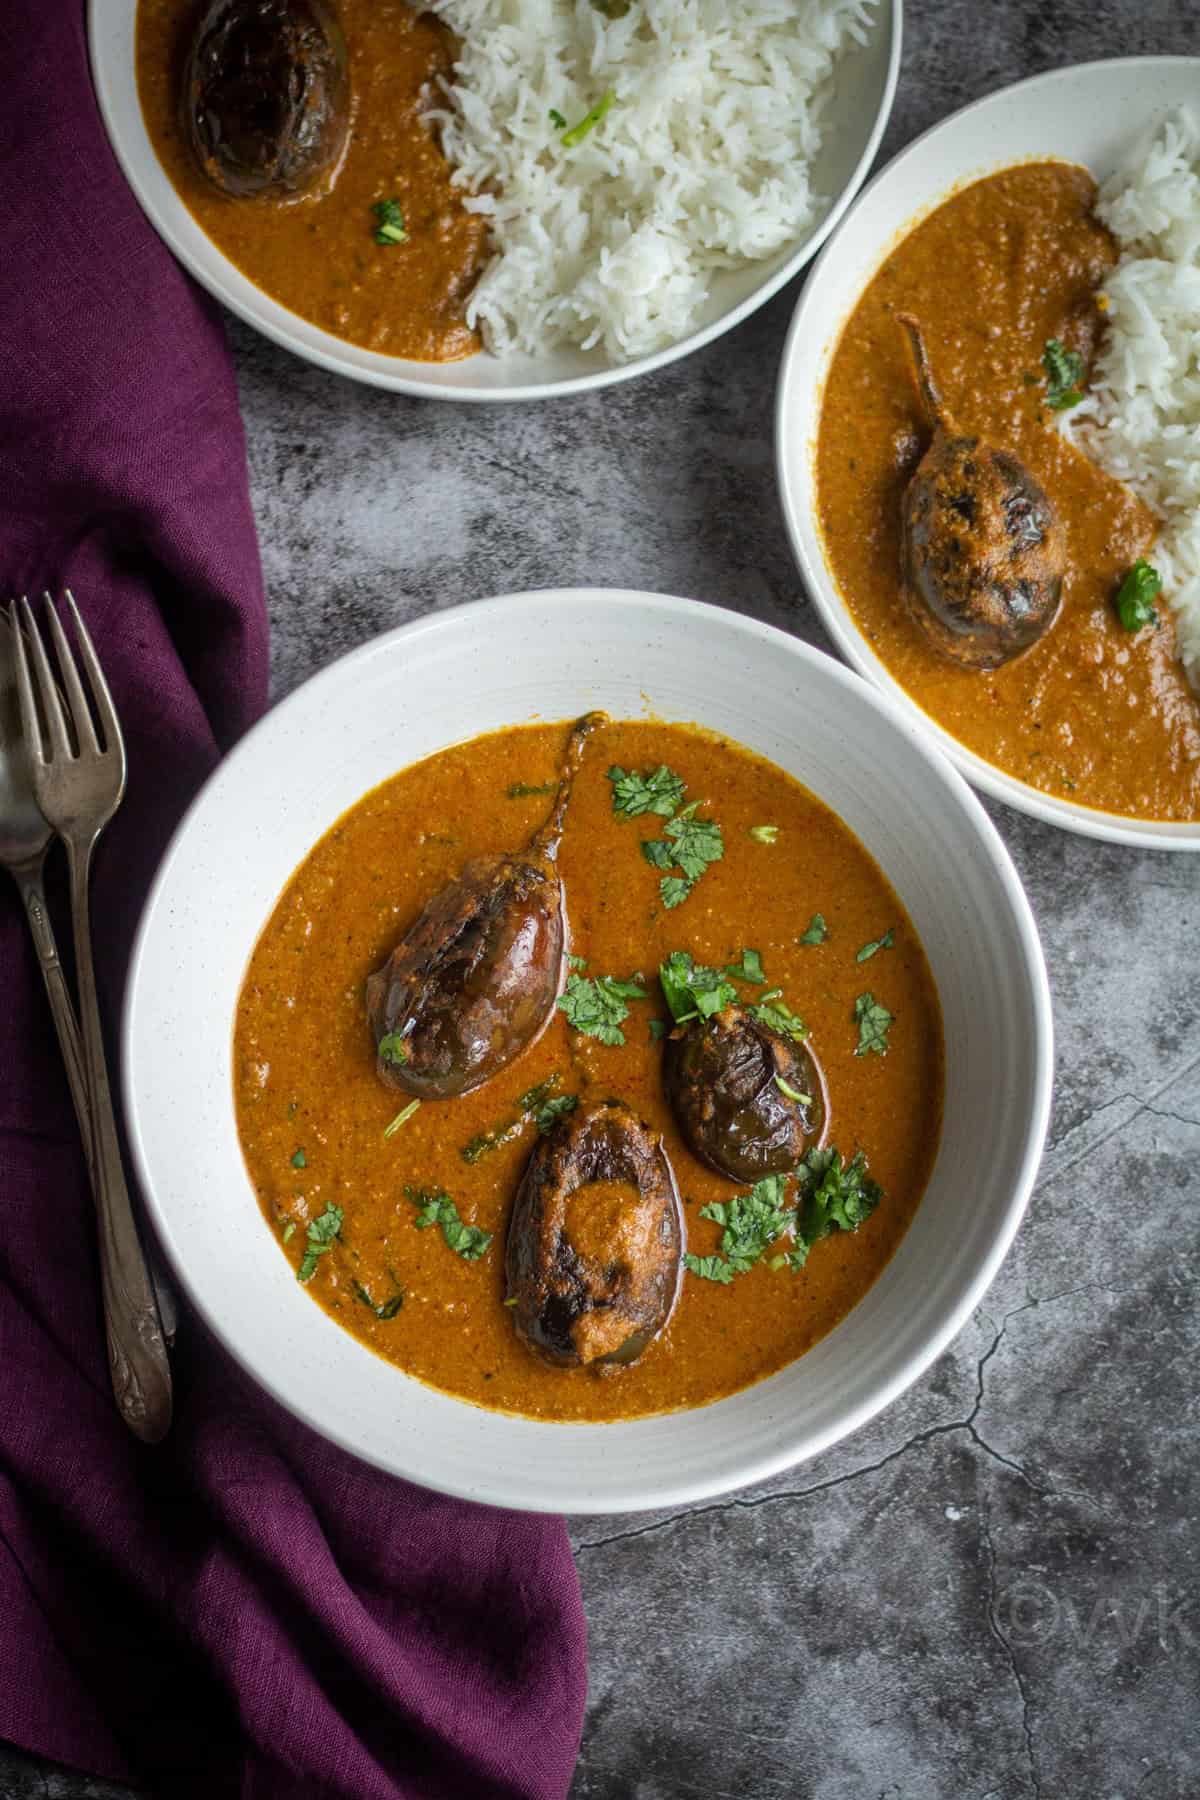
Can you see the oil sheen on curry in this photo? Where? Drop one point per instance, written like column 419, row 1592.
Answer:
column 980, row 553
column 299, row 141
column 588, row 1071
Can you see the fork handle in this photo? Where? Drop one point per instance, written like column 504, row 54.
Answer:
column 137, row 1353
column 59, row 995
column 62, row 1009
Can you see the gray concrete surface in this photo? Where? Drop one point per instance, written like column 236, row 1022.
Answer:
column 991, row 1592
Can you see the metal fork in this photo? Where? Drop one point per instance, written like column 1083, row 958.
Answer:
column 78, row 781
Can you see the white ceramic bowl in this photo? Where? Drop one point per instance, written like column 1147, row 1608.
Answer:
column 434, row 683
column 858, row 113
column 1089, row 114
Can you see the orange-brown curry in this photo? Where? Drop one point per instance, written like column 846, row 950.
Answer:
column 318, row 255
column 1092, row 712
column 312, row 1113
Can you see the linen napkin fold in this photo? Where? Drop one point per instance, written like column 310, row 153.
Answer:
column 243, row 1610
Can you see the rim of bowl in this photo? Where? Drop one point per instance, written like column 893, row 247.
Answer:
column 471, row 615
column 333, row 358
column 835, row 614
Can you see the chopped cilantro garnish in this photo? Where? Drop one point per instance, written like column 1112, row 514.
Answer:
column 547, row 1115
column 749, row 969
column 1135, row 594
column 589, row 121
column 401, row 1118
column 691, row 990
column 299, row 1160
column 792, row 1093
column 658, row 791
column 709, row 1268
column 1064, row 372
column 577, row 962
column 817, row 931
column 751, row 1224
column 288, row 1229
column 771, row 1012
column 657, row 853
column 658, row 1029
column 437, row 1208
column 389, row 222
column 830, row 1197
column 596, row 1006
column 392, row 1050
column 321, row 1234
column 696, row 842
column 874, row 1022
column 557, row 120
column 387, row 1309
column 764, row 834
column 674, row 890
column 521, row 790
column 883, row 943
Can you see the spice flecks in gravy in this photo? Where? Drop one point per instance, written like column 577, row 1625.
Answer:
column 306, row 1083
column 1091, row 713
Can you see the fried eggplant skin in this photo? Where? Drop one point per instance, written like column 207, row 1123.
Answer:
column 722, row 1078
column 596, row 1240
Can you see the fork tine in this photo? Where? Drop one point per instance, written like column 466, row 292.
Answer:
column 52, row 712
column 77, row 706
column 106, row 712
column 31, row 725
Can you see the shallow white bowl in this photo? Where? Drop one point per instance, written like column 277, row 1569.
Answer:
column 1090, row 114
column 857, row 115
column 434, row 683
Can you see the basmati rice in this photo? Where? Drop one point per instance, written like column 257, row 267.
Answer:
column 1141, row 417
column 701, row 162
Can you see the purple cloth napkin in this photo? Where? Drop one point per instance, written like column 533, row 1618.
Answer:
column 244, row 1610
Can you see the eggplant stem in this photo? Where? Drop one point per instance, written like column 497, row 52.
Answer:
column 545, row 843
column 931, row 394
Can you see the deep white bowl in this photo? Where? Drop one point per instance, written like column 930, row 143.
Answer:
column 439, row 681
column 1091, row 114
column 857, row 115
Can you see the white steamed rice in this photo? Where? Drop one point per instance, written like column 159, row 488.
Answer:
column 701, row 164
column 1141, row 418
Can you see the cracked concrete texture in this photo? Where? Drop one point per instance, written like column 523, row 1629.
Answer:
column 990, row 1592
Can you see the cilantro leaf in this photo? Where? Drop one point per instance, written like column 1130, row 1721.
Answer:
column 322, row 1232
column 597, row 1006
column 883, row 943
column 1064, row 372
column 1135, row 593
column 691, row 990
column 537, row 1104
column 658, row 791
column 709, row 1268
column 392, row 1050
column 817, row 931
column 658, row 1029
column 437, row 1208
column 589, row 121
column 874, row 1022
column 389, row 222
column 830, row 1197
column 299, row 1160
column 521, row 790
column 387, row 1309
column 697, row 842
column 771, row 1012
column 674, row 890
column 749, row 969
column 751, row 1221
column 657, row 853
column 557, row 120
column 547, row 1115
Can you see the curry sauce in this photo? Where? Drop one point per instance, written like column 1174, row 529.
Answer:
column 312, row 1113
column 317, row 254
column 1091, row 713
